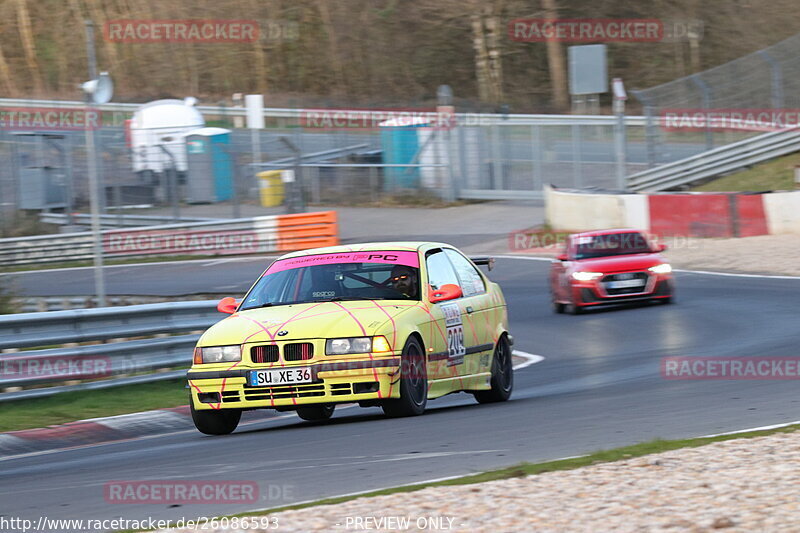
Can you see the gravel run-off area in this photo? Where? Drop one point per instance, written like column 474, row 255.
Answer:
column 741, row 485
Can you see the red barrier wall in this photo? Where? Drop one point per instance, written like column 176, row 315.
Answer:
column 707, row 215
column 752, row 220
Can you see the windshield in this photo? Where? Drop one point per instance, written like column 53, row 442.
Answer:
column 337, row 277
column 591, row 246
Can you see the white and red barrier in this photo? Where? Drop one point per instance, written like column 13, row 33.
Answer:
column 257, row 235
column 676, row 214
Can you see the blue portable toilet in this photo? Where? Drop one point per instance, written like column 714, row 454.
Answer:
column 400, row 142
column 209, row 167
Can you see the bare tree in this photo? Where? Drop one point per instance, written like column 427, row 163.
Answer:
column 556, row 62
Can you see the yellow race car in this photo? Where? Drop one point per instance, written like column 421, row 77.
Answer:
column 391, row 324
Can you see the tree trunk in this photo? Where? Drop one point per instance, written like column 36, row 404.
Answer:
column 333, row 42
column 26, row 36
column 5, row 76
column 556, row 63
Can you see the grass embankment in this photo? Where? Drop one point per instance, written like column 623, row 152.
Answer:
column 771, row 176
column 79, row 405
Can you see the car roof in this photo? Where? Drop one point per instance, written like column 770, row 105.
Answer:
column 387, row 246
column 595, row 233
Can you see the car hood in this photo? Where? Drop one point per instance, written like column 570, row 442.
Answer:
column 306, row 321
column 619, row 263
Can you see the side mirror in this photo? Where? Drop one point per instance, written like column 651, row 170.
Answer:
column 561, row 257
column 227, row 305
column 446, row 292
column 662, row 247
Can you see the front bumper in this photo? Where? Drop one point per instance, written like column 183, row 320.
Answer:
column 332, row 382
column 592, row 293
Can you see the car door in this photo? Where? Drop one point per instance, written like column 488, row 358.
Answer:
column 449, row 329
column 480, row 315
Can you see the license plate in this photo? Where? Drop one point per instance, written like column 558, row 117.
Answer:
column 625, row 284
column 279, row 376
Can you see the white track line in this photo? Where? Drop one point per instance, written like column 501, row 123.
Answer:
column 532, row 359
column 705, row 272
column 760, row 428
column 736, row 275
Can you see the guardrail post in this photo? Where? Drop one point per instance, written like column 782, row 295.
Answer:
column 577, row 170
column 706, row 93
column 777, row 79
column 536, row 145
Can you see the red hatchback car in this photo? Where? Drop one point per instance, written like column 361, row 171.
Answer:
column 609, row 267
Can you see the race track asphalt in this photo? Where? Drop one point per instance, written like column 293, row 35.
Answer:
column 599, row 386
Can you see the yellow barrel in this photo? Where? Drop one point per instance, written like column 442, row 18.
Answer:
column 270, row 186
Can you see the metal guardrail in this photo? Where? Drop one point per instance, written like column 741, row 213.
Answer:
column 41, row 304
column 23, row 330
column 217, row 237
column 106, row 365
column 717, row 162
column 467, row 119
column 116, row 220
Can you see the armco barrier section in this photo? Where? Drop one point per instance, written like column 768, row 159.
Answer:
column 717, row 162
column 109, row 364
column 242, row 236
column 676, row 214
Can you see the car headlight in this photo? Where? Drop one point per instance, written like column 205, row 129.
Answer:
column 349, row 345
column 663, row 268
column 218, row 354
column 586, row 276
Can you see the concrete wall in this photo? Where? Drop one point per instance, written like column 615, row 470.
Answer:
column 782, row 211
column 681, row 214
column 579, row 211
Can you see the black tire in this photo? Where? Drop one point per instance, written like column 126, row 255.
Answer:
column 413, row 383
column 315, row 413
column 502, row 375
column 216, row 421
column 574, row 309
column 666, row 301
column 558, row 308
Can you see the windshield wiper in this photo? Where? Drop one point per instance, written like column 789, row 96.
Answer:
column 346, row 298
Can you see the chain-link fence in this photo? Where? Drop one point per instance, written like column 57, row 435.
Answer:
column 475, row 156
column 767, row 79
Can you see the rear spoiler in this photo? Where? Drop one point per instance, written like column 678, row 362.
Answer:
column 483, row 261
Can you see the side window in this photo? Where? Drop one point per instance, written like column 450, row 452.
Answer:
column 440, row 271
column 471, row 280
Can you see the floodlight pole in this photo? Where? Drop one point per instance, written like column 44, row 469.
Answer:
column 91, row 156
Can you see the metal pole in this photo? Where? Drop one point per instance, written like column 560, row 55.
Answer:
column 94, row 200
column 577, row 170
column 619, row 142
column 255, row 141
column 294, row 197
column 172, row 183
column 705, row 91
